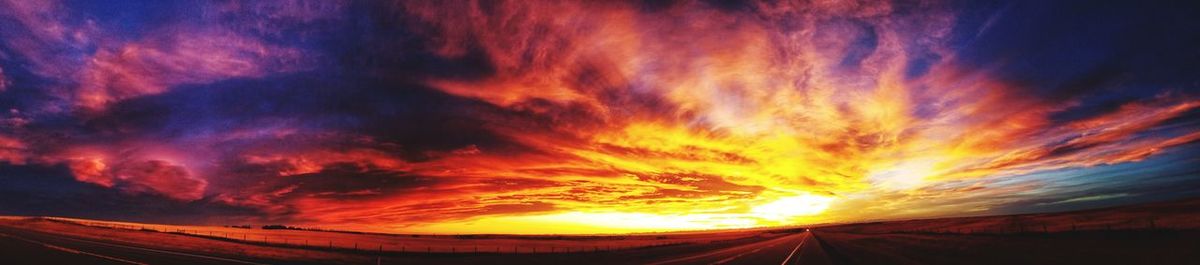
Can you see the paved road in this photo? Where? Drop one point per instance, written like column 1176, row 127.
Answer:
column 799, row 248
column 28, row 247
column 16, row 251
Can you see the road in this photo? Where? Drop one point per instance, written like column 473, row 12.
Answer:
column 29, row 247
column 801, row 248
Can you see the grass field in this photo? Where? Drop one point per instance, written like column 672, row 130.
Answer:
column 314, row 246
column 397, row 242
column 1092, row 247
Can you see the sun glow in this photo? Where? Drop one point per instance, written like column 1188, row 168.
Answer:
column 904, row 175
column 803, row 208
column 789, row 207
column 581, row 222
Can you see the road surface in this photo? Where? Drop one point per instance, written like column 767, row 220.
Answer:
column 28, row 247
column 801, row 248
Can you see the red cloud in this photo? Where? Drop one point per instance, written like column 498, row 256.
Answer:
column 157, row 176
column 92, row 170
column 12, row 150
column 140, row 176
column 312, row 161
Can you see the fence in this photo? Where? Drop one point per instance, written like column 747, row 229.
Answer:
column 1025, row 227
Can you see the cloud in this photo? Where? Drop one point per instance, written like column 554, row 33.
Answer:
column 46, row 35
column 747, row 96
column 61, row 44
column 140, row 176
column 179, row 57
column 161, row 177
column 12, row 150
column 316, row 161
column 814, row 111
column 1092, row 198
column 414, row 114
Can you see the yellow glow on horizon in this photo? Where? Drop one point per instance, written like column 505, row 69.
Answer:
column 776, row 212
column 576, row 222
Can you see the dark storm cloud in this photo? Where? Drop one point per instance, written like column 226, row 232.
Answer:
column 51, row 191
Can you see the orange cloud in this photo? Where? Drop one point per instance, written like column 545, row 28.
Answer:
column 790, row 102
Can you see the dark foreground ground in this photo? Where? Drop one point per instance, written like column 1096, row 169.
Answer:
column 22, row 246
column 1147, row 247
column 1161, row 247
column 1162, row 233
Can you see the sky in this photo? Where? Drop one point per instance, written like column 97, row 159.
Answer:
column 537, row 117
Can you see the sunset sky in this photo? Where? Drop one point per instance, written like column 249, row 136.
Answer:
column 591, row 116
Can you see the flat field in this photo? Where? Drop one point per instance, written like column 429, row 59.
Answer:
column 1157, row 233
column 226, row 246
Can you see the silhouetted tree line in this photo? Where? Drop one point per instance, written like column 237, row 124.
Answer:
column 281, row 227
